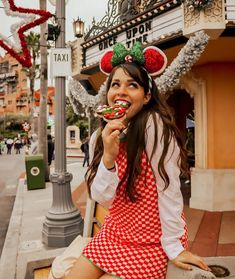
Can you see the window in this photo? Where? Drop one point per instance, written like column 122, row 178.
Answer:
column 72, row 134
column 4, row 67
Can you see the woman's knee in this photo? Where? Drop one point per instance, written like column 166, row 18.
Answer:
column 84, row 269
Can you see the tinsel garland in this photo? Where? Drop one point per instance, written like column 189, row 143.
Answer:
column 198, row 4
column 187, row 56
column 78, row 94
column 12, row 9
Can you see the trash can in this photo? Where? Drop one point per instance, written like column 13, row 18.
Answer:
column 35, row 171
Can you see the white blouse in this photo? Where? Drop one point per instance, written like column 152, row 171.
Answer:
column 170, row 201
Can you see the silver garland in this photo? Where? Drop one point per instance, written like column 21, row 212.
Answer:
column 187, row 56
column 78, row 94
column 182, row 64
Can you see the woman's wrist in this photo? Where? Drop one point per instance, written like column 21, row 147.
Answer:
column 112, row 168
column 109, row 163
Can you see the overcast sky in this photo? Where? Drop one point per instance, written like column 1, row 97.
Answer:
column 85, row 9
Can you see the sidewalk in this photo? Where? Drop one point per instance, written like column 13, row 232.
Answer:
column 23, row 250
column 210, row 233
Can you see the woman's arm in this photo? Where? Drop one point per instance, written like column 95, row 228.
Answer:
column 104, row 185
column 170, row 201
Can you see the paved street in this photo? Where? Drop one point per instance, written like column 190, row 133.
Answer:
column 11, row 166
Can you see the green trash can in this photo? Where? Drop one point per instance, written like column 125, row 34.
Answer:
column 35, row 171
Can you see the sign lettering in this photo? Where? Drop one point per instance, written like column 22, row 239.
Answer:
column 108, row 43
column 61, row 57
column 60, row 62
column 138, row 33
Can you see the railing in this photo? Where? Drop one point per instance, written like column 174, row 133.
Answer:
column 119, row 12
column 123, row 11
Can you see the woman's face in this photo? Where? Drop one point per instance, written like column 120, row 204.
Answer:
column 124, row 87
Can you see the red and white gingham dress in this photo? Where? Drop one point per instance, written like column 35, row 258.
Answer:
column 128, row 245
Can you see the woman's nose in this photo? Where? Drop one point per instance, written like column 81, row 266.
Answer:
column 122, row 91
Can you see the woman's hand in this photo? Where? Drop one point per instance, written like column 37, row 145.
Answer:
column 185, row 258
column 110, row 137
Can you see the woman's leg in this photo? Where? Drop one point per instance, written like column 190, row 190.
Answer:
column 84, row 269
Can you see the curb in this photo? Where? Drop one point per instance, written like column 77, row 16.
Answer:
column 75, row 156
column 8, row 259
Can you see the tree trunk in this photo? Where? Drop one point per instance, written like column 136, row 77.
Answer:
column 33, row 106
column 42, row 125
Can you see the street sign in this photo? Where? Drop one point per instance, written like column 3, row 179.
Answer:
column 60, row 62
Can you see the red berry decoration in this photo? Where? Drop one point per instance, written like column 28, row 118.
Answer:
column 155, row 60
column 105, row 62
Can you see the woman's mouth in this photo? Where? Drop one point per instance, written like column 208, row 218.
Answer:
column 122, row 103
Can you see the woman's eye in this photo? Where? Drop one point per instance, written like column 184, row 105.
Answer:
column 114, row 84
column 133, row 84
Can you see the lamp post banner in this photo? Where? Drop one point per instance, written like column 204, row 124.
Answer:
column 60, row 62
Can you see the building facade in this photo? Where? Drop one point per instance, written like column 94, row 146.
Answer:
column 13, row 87
column 15, row 97
column 205, row 95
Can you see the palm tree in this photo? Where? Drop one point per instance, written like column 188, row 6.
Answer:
column 33, row 43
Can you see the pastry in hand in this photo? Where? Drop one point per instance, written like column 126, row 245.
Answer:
column 113, row 112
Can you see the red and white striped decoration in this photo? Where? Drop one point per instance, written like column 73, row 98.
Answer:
column 18, row 29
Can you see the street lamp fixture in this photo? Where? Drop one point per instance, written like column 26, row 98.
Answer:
column 78, row 28
column 53, row 32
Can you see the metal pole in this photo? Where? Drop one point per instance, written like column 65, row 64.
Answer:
column 63, row 221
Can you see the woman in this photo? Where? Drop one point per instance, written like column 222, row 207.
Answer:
column 137, row 160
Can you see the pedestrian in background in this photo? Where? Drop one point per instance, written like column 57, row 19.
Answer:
column 2, row 146
column 34, row 144
column 137, row 178
column 50, row 148
column 9, row 144
column 18, row 145
column 85, row 150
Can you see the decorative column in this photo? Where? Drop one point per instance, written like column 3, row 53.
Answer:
column 211, row 19
column 63, row 221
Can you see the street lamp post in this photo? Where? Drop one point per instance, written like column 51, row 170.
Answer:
column 63, row 221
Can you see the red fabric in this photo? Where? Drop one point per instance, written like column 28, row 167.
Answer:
column 154, row 61
column 105, row 62
column 128, row 245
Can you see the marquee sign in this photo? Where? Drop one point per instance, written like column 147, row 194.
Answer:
column 147, row 31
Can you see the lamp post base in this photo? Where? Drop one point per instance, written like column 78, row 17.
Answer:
column 63, row 221
column 61, row 234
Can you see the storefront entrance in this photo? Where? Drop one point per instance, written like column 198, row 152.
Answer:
column 182, row 105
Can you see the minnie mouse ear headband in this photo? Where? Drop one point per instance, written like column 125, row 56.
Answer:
column 151, row 58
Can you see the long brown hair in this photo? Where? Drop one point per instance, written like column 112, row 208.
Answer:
column 135, row 136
